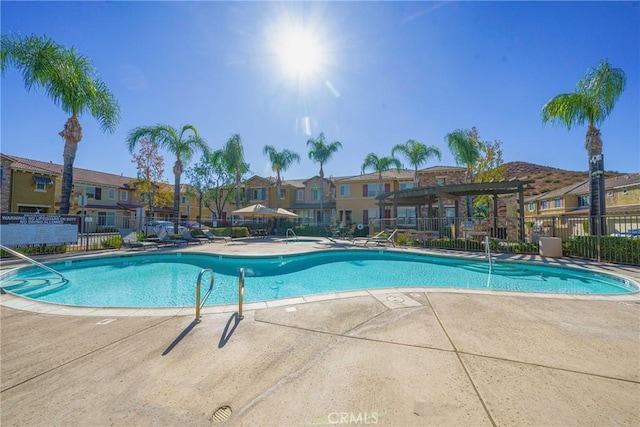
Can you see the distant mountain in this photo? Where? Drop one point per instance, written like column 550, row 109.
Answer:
column 546, row 178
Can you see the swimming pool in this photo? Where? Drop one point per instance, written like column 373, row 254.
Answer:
column 168, row 280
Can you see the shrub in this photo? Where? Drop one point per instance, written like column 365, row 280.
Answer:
column 36, row 250
column 113, row 242
column 612, row 248
column 402, row 240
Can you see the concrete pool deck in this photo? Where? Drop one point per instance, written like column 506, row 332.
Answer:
column 389, row 357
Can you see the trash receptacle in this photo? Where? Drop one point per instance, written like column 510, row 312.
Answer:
column 551, row 247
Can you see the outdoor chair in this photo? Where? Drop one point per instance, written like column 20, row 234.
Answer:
column 213, row 238
column 130, row 240
column 186, row 235
column 165, row 239
column 379, row 238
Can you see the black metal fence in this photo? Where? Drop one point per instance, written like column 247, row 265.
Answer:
column 619, row 244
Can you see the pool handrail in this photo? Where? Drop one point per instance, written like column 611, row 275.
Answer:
column 240, row 293
column 286, row 234
column 33, row 261
column 487, row 251
column 198, row 303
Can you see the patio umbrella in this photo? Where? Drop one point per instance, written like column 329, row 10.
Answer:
column 285, row 213
column 257, row 210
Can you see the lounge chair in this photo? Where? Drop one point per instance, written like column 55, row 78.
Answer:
column 130, row 240
column 213, row 238
column 379, row 238
column 165, row 239
column 186, row 235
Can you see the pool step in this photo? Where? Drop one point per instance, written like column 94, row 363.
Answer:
column 34, row 288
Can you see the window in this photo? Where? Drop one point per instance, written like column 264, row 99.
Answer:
column 300, row 195
column 406, row 185
column 315, row 195
column 345, row 191
column 532, row 206
column 98, row 193
column 258, row 194
column 544, row 204
column 441, row 181
column 369, row 190
column 123, row 196
column 557, row 202
column 283, row 193
column 183, row 200
column 112, row 194
column 42, row 182
column 106, row 219
column 583, row 201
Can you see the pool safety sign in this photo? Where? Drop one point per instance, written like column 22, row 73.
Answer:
column 21, row 229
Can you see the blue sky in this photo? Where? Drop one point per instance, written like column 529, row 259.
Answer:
column 368, row 74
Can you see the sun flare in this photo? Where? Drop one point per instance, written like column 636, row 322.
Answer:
column 299, row 53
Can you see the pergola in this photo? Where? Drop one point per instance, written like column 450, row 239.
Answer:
column 430, row 195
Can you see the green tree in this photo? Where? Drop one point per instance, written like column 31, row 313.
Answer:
column 417, row 154
column 150, row 167
column 379, row 165
column 321, row 152
column 591, row 103
column 177, row 142
column 488, row 168
column 464, row 145
column 213, row 182
column 280, row 162
column 234, row 160
column 71, row 81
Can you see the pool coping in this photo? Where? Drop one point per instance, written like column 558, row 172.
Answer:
column 627, row 272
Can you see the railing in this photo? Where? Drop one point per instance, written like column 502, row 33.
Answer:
column 487, row 253
column 240, row 293
column 32, row 261
column 198, row 303
column 290, row 232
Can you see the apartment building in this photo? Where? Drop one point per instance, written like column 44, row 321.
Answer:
column 34, row 186
column 622, row 196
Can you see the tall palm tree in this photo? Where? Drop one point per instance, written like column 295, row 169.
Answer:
column 592, row 102
column 176, row 141
column 416, row 153
column 71, row 81
column 234, row 160
column 464, row 145
column 379, row 165
column 321, row 152
column 280, row 161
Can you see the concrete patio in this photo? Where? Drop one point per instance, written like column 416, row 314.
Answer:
column 388, row 357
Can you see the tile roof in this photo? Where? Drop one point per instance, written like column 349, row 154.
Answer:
column 373, row 176
column 79, row 174
column 581, row 188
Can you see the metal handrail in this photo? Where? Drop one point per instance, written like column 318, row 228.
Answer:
column 198, row 303
column 286, row 234
column 240, row 293
column 487, row 251
column 32, row 261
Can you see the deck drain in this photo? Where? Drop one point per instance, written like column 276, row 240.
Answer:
column 221, row 414
column 394, row 298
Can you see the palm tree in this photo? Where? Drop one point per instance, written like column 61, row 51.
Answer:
column 177, row 142
column 417, row 154
column 379, row 165
column 463, row 144
column 321, row 152
column 592, row 102
column 234, row 160
column 280, row 161
column 71, row 81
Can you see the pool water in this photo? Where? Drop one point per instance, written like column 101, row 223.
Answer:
column 169, row 280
